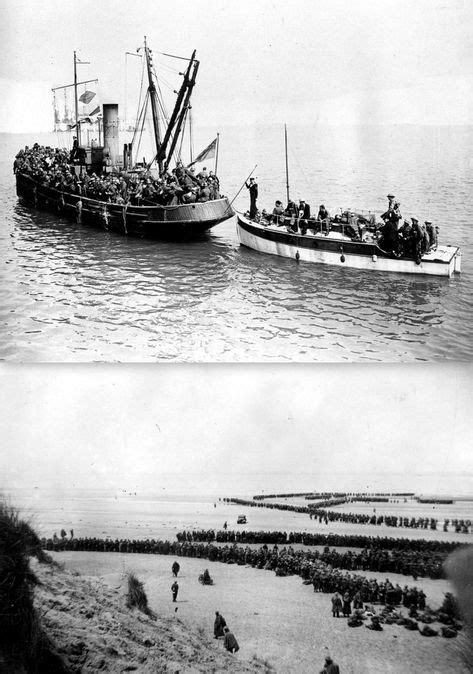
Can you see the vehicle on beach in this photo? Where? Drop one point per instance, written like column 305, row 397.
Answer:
column 182, row 208
column 241, row 519
column 349, row 239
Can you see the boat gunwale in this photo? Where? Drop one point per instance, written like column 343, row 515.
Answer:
column 129, row 207
column 248, row 225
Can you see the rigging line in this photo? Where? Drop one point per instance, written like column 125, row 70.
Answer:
column 142, row 123
column 181, row 58
column 138, row 120
column 160, row 98
column 160, row 78
column 166, row 67
column 158, row 83
column 139, row 99
column 163, row 111
column 162, row 105
column 183, row 134
column 166, row 83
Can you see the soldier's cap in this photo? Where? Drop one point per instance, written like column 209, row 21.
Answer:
column 391, row 196
column 302, row 201
column 428, row 222
column 414, row 220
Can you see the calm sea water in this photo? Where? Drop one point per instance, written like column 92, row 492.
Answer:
column 71, row 293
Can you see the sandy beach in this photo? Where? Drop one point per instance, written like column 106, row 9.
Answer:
column 136, row 517
column 278, row 620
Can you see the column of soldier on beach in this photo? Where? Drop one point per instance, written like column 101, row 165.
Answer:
column 411, row 238
column 357, row 596
column 54, row 167
column 318, row 511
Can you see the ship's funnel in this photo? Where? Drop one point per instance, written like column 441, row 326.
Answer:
column 110, row 133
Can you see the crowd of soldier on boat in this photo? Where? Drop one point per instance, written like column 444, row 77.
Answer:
column 58, row 168
column 411, row 238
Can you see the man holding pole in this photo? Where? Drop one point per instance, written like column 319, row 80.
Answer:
column 252, row 186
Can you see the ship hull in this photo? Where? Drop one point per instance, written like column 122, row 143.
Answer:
column 182, row 221
column 338, row 250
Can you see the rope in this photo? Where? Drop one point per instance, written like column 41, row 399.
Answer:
column 183, row 134
column 139, row 110
column 143, row 121
column 181, row 58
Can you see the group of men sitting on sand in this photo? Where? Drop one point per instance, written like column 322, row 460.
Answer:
column 389, row 615
column 54, row 167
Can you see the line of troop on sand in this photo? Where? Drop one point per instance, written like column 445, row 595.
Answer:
column 415, row 563
column 284, row 561
column 463, row 526
column 356, row 495
column 51, row 166
column 351, row 590
column 226, row 535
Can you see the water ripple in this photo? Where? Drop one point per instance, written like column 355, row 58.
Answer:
column 77, row 294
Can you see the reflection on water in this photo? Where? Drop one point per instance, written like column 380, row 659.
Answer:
column 75, row 293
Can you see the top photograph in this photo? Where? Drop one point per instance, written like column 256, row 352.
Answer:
column 236, row 182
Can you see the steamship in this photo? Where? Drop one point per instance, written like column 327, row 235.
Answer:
column 147, row 220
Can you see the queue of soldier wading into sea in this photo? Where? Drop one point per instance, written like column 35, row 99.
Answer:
column 401, row 237
column 63, row 170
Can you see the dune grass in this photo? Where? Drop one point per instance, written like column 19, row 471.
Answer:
column 23, row 645
column 136, row 596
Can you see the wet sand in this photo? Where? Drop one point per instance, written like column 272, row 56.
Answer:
column 132, row 518
column 278, row 619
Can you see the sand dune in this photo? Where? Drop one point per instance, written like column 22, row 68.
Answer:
column 279, row 620
column 94, row 631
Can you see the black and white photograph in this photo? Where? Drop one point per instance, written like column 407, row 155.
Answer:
column 240, row 182
column 237, row 330
column 314, row 517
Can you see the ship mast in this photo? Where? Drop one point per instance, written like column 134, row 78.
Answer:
column 189, row 85
column 154, row 105
column 287, row 167
column 76, row 101
column 161, row 153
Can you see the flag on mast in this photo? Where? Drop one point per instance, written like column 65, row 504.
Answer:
column 208, row 153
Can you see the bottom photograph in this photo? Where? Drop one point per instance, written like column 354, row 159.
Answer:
column 250, row 519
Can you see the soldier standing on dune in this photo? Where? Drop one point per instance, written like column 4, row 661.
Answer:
column 175, row 590
column 230, row 643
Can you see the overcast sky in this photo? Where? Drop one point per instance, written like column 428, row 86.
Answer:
column 303, row 61
column 129, row 427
